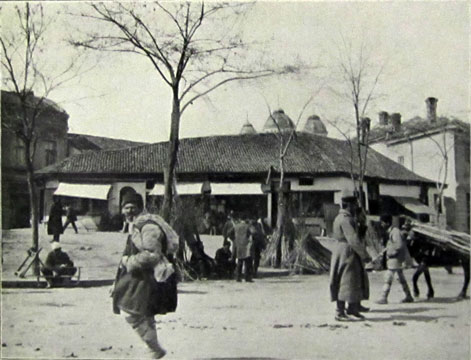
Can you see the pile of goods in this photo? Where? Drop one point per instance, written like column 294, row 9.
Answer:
column 446, row 239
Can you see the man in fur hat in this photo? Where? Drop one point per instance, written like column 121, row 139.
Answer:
column 146, row 283
column 348, row 278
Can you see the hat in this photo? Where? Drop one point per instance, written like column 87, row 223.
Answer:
column 133, row 198
column 55, row 245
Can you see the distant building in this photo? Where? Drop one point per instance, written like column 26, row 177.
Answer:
column 54, row 144
column 420, row 144
column 51, row 128
column 78, row 143
column 231, row 173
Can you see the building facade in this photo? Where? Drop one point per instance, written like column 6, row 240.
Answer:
column 51, row 129
column 435, row 147
column 240, row 172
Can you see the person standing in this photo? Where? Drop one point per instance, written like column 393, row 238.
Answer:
column 348, row 278
column 146, row 282
column 54, row 223
column 396, row 254
column 243, row 249
column 71, row 217
column 259, row 244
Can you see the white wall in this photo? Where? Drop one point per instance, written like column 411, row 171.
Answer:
column 400, row 190
column 423, row 157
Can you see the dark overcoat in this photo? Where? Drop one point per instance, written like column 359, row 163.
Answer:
column 137, row 290
column 54, row 224
column 348, row 278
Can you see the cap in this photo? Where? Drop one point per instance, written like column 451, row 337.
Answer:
column 133, row 198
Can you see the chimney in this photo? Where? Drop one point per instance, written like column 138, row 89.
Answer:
column 396, row 122
column 431, row 109
column 383, row 118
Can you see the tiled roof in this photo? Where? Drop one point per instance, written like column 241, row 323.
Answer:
column 414, row 126
column 90, row 142
column 234, row 154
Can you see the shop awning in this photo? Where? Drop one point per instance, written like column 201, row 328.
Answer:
column 182, row 189
column 236, row 189
column 414, row 205
column 89, row 191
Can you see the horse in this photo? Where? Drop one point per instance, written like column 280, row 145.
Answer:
column 427, row 254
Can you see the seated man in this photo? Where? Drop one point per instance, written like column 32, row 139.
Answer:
column 201, row 263
column 224, row 265
column 58, row 266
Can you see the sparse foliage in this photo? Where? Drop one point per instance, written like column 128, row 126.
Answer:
column 26, row 72
column 194, row 48
column 359, row 79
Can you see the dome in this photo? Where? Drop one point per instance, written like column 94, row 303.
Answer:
column 247, row 128
column 283, row 121
column 314, row 125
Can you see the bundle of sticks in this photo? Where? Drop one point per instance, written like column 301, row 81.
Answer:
column 446, row 239
column 308, row 256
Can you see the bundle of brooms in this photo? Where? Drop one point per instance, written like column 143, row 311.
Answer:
column 450, row 240
column 308, row 256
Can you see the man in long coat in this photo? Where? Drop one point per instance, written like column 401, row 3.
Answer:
column 243, row 249
column 348, row 278
column 146, row 281
column 54, row 223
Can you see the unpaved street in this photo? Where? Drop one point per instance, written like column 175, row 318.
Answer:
column 280, row 317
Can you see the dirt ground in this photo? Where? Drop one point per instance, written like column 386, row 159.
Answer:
column 280, row 317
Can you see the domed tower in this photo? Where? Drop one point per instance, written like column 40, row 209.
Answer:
column 283, row 121
column 247, row 128
column 314, row 125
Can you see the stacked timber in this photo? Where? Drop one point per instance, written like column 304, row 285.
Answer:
column 449, row 240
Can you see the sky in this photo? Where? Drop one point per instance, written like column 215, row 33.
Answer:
column 424, row 47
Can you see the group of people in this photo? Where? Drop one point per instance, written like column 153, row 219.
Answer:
column 348, row 278
column 249, row 238
column 54, row 224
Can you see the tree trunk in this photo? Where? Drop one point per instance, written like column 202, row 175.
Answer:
column 34, row 210
column 280, row 224
column 169, row 171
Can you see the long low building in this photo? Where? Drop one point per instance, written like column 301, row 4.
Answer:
column 232, row 171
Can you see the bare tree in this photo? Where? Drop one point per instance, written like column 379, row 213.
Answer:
column 359, row 77
column 24, row 71
column 192, row 46
column 285, row 137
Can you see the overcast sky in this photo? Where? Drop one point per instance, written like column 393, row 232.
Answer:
column 425, row 46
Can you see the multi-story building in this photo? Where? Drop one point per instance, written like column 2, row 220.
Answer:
column 435, row 147
column 53, row 145
column 51, row 129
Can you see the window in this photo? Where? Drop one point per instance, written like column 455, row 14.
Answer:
column 400, row 160
column 306, row 181
column 438, row 203
column 19, row 155
column 50, row 152
column 468, row 208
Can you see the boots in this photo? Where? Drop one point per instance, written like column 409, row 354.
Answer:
column 384, row 296
column 145, row 328
column 405, row 288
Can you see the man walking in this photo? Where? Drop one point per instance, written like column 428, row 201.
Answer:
column 348, row 278
column 146, row 283
column 396, row 254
